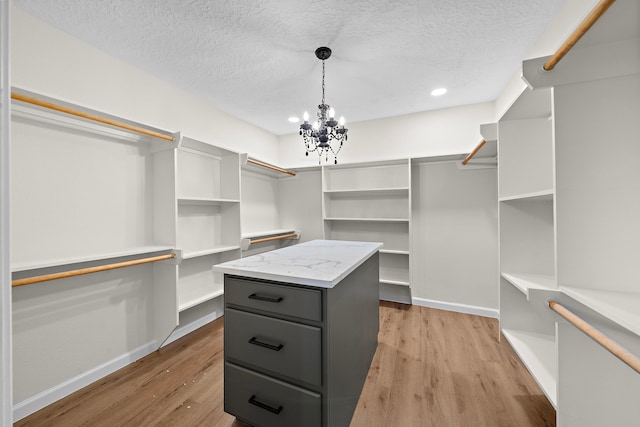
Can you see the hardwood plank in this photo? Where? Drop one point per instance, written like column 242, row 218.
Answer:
column 431, row 368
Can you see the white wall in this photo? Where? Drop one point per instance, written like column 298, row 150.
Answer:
column 50, row 62
column 300, row 204
column 454, row 246
column 431, row 133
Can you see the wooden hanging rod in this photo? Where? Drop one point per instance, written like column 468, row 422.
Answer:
column 606, row 342
column 51, row 106
column 88, row 270
column 268, row 239
column 268, row 166
column 577, row 34
column 474, row 152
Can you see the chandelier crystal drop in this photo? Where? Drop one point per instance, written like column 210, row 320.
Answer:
column 325, row 134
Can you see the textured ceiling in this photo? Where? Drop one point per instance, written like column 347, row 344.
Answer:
column 255, row 58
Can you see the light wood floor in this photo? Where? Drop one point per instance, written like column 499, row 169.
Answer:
column 432, row 368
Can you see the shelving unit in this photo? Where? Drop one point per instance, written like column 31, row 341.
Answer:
column 207, row 218
column 84, row 195
column 527, row 234
column 597, row 219
column 372, row 202
column 569, row 221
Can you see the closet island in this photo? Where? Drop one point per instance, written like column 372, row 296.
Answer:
column 301, row 328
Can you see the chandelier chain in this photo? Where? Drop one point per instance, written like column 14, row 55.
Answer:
column 323, row 82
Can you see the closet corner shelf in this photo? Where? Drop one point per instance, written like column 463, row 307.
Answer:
column 369, row 219
column 534, row 195
column 538, row 352
column 205, row 201
column 192, row 302
column 60, row 262
column 524, row 282
column 211, row 251
column 622, row 308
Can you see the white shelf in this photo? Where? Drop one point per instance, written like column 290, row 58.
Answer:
column 622, row 308
column 208, row 218
column 192, row 301
column 524, row 282
column 204, row 201
column 217, row 250
column 369, row 191
column 144, row 250
column 539, row 354
column 541, row 195
column 369, row 219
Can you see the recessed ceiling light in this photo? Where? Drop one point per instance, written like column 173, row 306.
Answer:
column 439, row 91
column 294, row 119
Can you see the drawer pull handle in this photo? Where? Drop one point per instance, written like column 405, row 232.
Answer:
column 255, row 341
column 253, row 401
column 266, row 298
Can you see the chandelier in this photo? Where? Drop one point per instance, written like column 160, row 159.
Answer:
column 325, row 134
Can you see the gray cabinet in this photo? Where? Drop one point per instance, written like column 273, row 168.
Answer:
column 298, row 355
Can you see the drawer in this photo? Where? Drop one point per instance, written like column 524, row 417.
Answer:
column 278, row 299
column 283, row 347
column 266, row 402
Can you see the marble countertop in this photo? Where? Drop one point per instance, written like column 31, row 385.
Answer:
column 320, row 263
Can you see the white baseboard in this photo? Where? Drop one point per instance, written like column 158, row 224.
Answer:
column 183, row 330
column 459, row 308
column 47, row 397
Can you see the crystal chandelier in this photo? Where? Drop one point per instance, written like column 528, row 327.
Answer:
column 325, row 134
